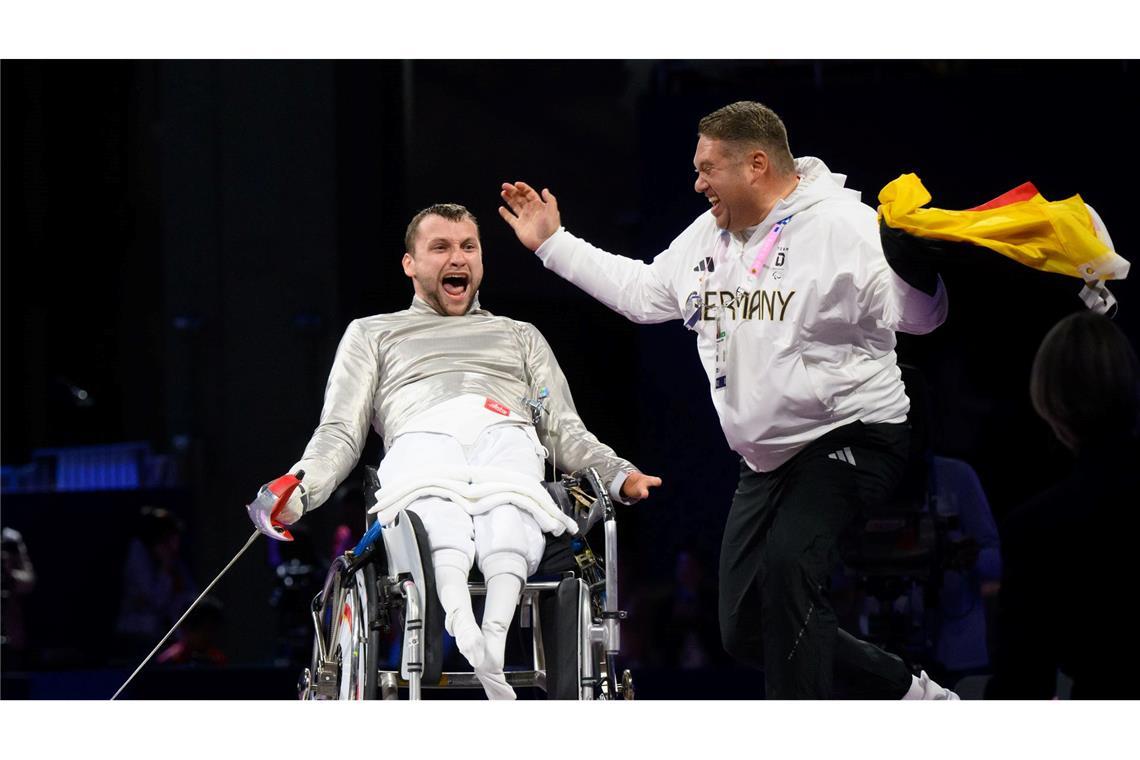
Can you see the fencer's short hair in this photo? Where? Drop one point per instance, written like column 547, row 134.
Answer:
column 450, row 211
column 1085, row 381
column 749, row 122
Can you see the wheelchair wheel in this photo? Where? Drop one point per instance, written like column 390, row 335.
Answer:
column 353, row 645
column 560, row 621
column 431, row 609
column 372, row 634
column 350, row 670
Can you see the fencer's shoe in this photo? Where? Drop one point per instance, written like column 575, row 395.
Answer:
column 923, row 686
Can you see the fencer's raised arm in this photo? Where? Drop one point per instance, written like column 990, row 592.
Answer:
column 338, row 441
column 640, row 292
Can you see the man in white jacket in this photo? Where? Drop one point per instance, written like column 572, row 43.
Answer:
column 795, row 310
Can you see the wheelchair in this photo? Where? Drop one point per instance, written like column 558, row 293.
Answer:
column 386, row 583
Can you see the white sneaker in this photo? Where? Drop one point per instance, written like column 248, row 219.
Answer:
column 923, row 687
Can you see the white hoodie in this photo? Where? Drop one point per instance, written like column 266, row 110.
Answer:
column 810, row 343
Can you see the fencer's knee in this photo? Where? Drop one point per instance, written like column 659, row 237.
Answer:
column 449, row 557
column 506, row 528
column 447, row 524
column 508, row 562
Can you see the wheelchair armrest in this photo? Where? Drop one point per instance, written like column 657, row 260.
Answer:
column 583, row 497
column 593, row 502
column 371, row 486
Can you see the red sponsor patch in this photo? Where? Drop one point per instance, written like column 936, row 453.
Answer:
column 497, row 408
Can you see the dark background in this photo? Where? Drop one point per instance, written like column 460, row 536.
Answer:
column 186, row 240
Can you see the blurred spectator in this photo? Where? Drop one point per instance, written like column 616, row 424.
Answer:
column 157, row 587
column 972, row 569
column 684, row 617
column 350, row 512
column 19, row 580
column 299, row 567
column 198, row 637
column 1070, row 569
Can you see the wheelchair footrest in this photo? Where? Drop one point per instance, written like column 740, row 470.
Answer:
column 461, row 680
column 326, row 682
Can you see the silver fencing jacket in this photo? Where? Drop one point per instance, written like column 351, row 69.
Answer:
column 391, row 368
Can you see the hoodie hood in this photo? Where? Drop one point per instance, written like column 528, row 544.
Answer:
column 817, row 183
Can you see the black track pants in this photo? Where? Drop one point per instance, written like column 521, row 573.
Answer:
column 778, row 549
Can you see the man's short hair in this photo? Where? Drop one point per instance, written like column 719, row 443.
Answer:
column 1085, row 381
column 749, row 122
column 450, row 211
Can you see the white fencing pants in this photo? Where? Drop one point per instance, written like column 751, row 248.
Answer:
column 506, row 541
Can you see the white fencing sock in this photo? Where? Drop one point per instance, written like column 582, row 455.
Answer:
column 503, row 591
column 454, row 597
column 923, row 687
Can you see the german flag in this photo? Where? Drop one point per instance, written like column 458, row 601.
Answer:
column 1065, row 237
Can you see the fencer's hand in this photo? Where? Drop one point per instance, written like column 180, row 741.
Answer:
column 637, row 484
column 261, row 512
column 533, row 217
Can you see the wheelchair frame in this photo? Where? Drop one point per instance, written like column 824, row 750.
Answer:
column 368, row 584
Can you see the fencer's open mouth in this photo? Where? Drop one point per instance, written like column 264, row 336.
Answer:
column 455, row 284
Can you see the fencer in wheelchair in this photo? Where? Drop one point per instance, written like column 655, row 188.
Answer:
column 470, row 406
column 387, row 581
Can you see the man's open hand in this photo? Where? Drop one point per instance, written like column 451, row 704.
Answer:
column 534, row 218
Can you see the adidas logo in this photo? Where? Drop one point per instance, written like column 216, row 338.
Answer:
column 705, row 266
column 843, row 455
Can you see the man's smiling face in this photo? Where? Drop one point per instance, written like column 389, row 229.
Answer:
column 726, row 176
column 446, row 266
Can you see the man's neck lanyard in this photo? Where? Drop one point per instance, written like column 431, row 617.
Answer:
column 696, row 299
column 765, row 249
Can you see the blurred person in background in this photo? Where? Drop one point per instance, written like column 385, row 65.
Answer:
column 157, row 586
column 18, row 582
column 199, row 637
column 971, row 575
column 1069, row 567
